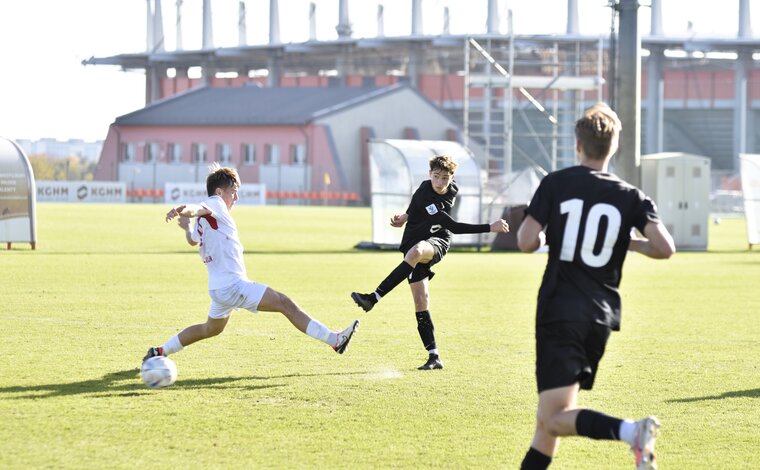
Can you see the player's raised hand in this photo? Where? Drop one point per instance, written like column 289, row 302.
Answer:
column 174, row 212
column 500, row 226
column 399, row 220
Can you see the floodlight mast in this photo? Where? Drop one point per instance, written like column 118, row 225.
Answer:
column 627, row 163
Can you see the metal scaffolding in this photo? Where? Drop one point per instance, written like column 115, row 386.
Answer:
column 520, row 106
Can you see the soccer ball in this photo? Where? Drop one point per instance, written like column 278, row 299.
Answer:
column 158, row 372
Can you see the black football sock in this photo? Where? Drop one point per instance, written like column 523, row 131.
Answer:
column 535, row 460
column 399, row 273
column 597, row 425
column 426, row 329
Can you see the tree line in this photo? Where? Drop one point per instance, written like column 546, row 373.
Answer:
column 73, row 168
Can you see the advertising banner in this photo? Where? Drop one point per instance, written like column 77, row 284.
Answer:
column 81, row 191
column 193, row 193
column 750, row 173
column 17, row 202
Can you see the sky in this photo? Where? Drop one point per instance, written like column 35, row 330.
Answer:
column 46, row 92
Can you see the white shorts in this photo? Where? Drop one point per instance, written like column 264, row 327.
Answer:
column 242, row 294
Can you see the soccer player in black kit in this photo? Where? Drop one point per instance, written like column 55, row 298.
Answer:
column 426, row 240
column 585, row 215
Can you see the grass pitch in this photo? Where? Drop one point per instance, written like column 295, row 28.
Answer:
column 107, row 281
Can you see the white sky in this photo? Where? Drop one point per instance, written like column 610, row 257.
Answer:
column 46, row 92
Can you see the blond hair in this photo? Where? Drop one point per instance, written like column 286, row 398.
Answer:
column 596, row 131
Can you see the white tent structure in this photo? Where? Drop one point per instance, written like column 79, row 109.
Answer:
column 397, row 167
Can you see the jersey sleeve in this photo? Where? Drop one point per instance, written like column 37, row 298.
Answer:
column 540, row 205
column 214, row 204
column 414, row 203
column 453, row 226
column 647, row 212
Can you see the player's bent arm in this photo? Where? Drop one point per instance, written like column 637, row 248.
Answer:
column 189, row 238
column 187, row 210
column 658, row 243
column 448, row 223
column 530, row 236
column 194, row 210
column 184, row 224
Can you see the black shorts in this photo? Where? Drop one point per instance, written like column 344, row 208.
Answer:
column 569, row 352
column 422, row 271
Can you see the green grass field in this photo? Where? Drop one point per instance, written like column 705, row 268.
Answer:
column 107, row 281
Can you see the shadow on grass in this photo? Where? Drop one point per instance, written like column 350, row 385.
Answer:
column 750, row 393
column 127, row 383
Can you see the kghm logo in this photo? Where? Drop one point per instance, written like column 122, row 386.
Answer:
column 54, row 191
column 175, row 194
column 82, row 192
column 105, row 192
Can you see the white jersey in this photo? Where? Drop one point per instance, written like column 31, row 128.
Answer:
column 219, row 245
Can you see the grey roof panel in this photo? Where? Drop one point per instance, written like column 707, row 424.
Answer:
column 249, row 105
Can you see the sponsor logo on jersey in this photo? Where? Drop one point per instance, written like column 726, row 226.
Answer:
column 431, row 209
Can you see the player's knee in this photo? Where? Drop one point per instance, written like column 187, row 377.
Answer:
column 274, row 301
column 552, row 427
column 414, row 255
column 285, row 304
column 547, row 423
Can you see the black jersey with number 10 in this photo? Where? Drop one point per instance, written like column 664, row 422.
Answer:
column 587, row 216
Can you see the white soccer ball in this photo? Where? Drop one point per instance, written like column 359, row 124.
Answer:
column 158, row 372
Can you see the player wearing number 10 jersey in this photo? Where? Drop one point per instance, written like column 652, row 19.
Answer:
column 585, row 215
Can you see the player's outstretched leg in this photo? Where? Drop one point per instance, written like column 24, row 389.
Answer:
column 344, row 337
column 153, row 352
column 643, row 445
column 433, row 362
column 365, row 301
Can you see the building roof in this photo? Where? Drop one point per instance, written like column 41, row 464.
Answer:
column 392, row 52
column 251, row 105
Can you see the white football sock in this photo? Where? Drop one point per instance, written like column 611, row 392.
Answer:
column 173, row 345
column 319, row 331
column 377, row 296
column 628, row 431
column 433, row 351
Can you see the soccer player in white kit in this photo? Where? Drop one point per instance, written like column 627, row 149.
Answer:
column 216, row 235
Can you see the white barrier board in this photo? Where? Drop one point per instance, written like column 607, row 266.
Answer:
column 249, row 194
column 750, row 173
column 81, row 191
